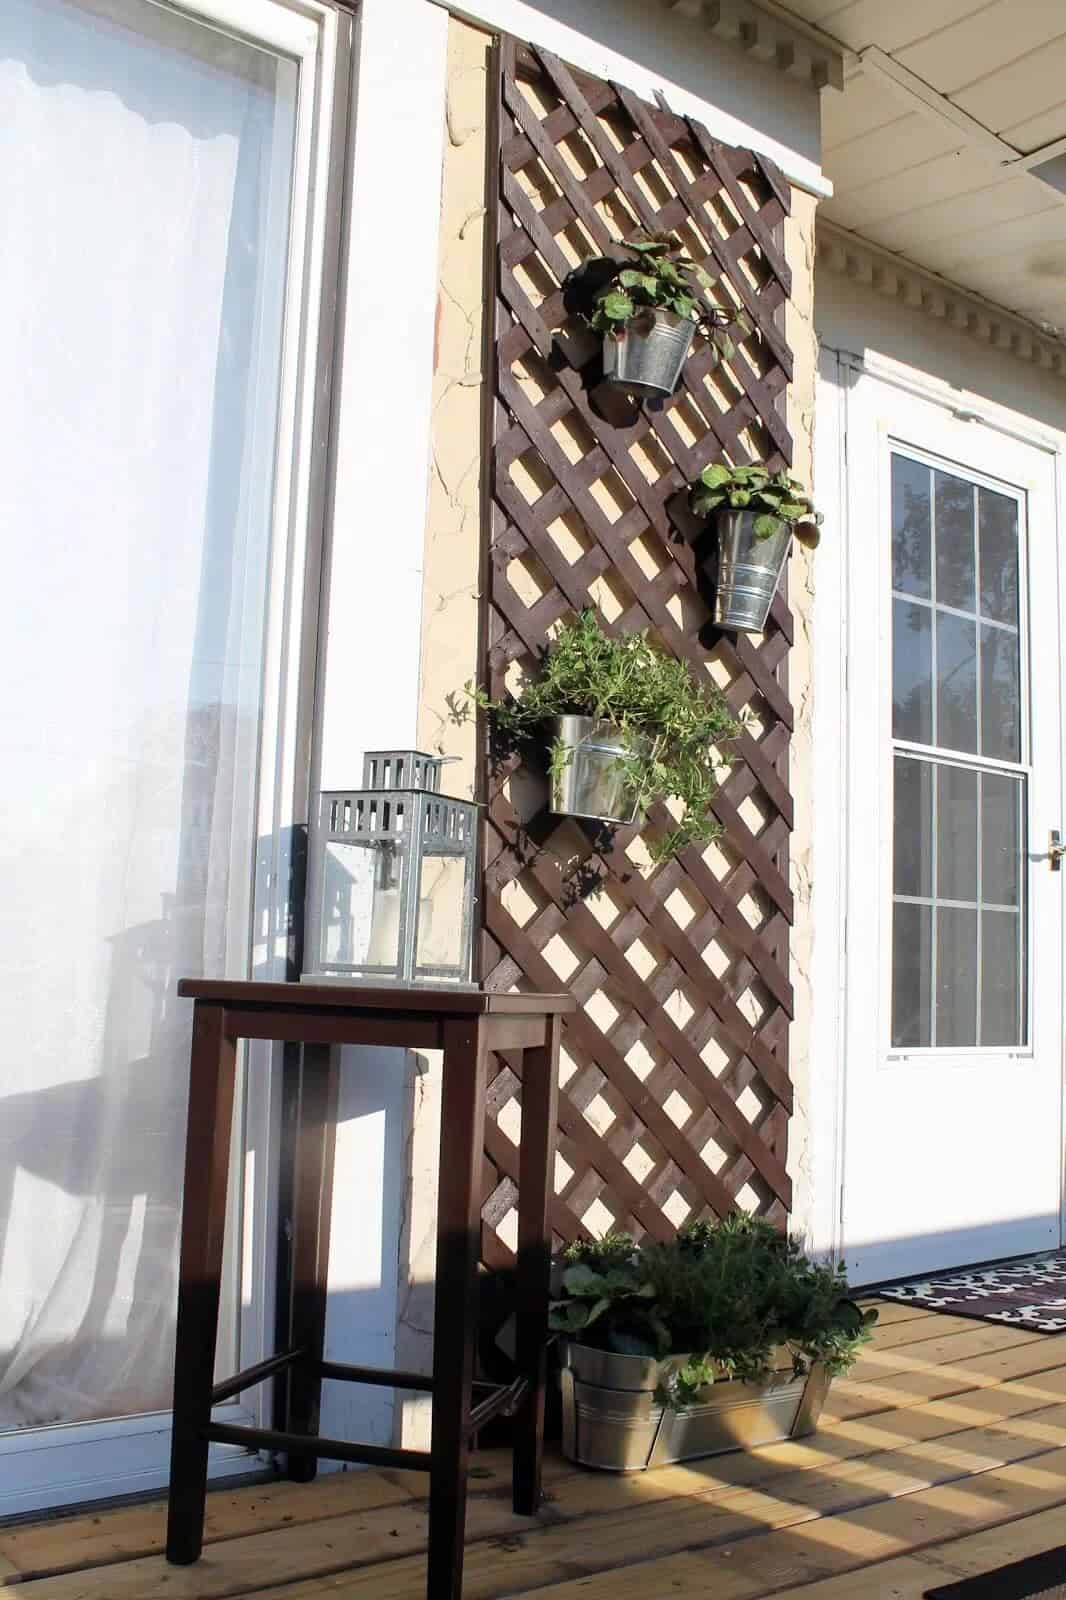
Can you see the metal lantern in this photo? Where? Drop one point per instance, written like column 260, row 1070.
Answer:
column 392, row 878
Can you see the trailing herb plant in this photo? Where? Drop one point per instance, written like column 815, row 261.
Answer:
column 726, row 1295
column 659, row 276
column 671, row 726
column 774, row 498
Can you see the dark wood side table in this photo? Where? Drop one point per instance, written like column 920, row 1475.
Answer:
column 466, row 1025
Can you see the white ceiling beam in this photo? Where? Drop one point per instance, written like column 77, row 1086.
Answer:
column 921, row 96
column 1037, row 157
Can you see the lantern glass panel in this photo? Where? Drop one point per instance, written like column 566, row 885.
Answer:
column 442, row 945
column 361, row 905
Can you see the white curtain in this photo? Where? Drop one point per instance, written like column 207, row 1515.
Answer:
column 144, row 179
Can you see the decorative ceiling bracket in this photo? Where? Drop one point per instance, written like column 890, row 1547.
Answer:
column 763, row 34
column 897, row 279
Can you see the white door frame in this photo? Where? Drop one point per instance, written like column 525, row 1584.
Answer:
column 835, row 849
column 48, row 1467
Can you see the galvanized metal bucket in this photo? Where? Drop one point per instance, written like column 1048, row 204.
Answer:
column 591, row 783
column 648, row 360
column 611, row 1419
column 749, row 570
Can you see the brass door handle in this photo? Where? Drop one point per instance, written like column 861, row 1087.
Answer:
column 1055, row 850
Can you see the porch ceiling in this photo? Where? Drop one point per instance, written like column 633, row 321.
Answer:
column 949, row 138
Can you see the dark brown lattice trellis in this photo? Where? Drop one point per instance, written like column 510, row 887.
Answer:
column 676, row 1091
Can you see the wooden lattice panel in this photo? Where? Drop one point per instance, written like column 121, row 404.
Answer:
column 676, row 1092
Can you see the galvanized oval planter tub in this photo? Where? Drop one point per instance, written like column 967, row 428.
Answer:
column 591, row 784
column 648, row 359
column 611, row 1419
column 749, row 570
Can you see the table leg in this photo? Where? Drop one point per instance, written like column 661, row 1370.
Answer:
column 312, row 1191
column 456, row 1297
column 536, row 1185
column 207, row 1156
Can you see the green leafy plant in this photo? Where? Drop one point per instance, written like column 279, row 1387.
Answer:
column 774, row 497
column 671, row 726
column 659, row 276
column 727, row 1296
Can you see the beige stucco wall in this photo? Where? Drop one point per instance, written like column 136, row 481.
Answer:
column 449, row 614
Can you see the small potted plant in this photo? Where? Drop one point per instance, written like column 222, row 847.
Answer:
column 758, row 512
column 649, row 307
column 725, row 1337
column 627, row 724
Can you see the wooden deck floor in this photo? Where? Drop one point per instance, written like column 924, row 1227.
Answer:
column 944, row 1454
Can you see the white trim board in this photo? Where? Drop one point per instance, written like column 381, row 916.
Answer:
column 739, row 98
column 49, row 1468
column 369, row 642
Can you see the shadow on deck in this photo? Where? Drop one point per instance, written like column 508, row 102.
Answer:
column 943, row 1454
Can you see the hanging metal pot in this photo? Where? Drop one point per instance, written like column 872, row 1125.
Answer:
column 589, row 781
column 648, row 356
column 749, row 570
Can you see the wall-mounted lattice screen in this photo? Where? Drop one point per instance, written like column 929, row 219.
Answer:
column 676, row 1092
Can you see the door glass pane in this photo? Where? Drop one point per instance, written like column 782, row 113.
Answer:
column 956, row 976
column 998, row 537
column 145, row 168
column 955, row 553
column 913, row 827
column 956, row 833
column 912, row 672
column 1000, row 977
column 912, row 968
column 911, row 528
column 1001, row 839
column 956, row 682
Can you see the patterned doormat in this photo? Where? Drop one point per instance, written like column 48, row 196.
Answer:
column 1037, row 1578
column 1030, row 1293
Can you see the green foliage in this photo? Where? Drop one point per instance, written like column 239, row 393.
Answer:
column 773, row 496
column 728, row 1295
column 671, row 725
column 661, row 277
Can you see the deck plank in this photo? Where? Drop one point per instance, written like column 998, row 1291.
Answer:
column 1038, row 1366
column 952, row 1349
column 124, row 1533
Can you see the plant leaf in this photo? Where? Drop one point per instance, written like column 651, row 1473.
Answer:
column 618, row 306
column 765, row 525
column 582, row 1280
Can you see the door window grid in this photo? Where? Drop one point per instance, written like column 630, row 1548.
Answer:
column 997, row 1017
column 958, row 949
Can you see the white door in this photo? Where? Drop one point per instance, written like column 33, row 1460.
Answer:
column 163, row 173
column 953, row 1058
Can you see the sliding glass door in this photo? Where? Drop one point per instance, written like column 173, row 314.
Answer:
column 158, row 294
